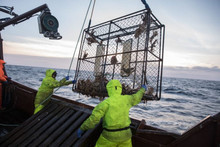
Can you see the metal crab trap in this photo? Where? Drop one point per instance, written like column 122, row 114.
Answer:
column 128, row 48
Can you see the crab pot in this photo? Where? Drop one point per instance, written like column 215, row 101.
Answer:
column 128, row 48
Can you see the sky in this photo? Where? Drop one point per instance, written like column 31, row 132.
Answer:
column 192, row 37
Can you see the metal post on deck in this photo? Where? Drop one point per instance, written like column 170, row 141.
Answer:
column 1, row 47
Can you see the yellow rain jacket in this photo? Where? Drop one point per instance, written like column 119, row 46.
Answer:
column 46, row 89
column 115, row 114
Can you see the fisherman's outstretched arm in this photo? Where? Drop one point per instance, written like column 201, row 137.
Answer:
column 97, row 114
column 136, row 98
column 55, row 83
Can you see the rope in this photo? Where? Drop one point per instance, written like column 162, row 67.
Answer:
column 90, row 20
column 92, row 9
column 146, row 5
column 80, row 36
column 48, row 97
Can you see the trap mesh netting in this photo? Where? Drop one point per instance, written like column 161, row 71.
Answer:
column 129, row 48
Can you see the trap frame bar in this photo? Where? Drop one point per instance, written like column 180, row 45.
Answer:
column 146, row 52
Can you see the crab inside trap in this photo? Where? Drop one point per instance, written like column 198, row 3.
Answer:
column 128, row 48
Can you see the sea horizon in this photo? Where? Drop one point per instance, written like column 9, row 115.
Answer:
column 165, row 76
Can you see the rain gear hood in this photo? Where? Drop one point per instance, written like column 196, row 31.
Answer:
column 46, row 89
column 115, row 113
column 49, row 72
column 114, row 88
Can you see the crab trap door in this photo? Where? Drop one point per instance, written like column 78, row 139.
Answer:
column 129, row 48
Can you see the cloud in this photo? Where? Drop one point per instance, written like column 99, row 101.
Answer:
column 196, row 72
column 40, row 47
column 195, row 68
column 186, row 45
column 50, row 62
column 213, row 69
column 190, row 37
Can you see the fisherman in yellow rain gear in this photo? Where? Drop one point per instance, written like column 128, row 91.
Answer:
column 46, row 89
column 115, row 114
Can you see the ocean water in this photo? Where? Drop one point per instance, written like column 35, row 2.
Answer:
column 184, row 102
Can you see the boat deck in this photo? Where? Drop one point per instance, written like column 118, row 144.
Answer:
column 55, row 125
column 58, row 122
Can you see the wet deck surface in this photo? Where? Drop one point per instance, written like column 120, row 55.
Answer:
column 55, row 125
